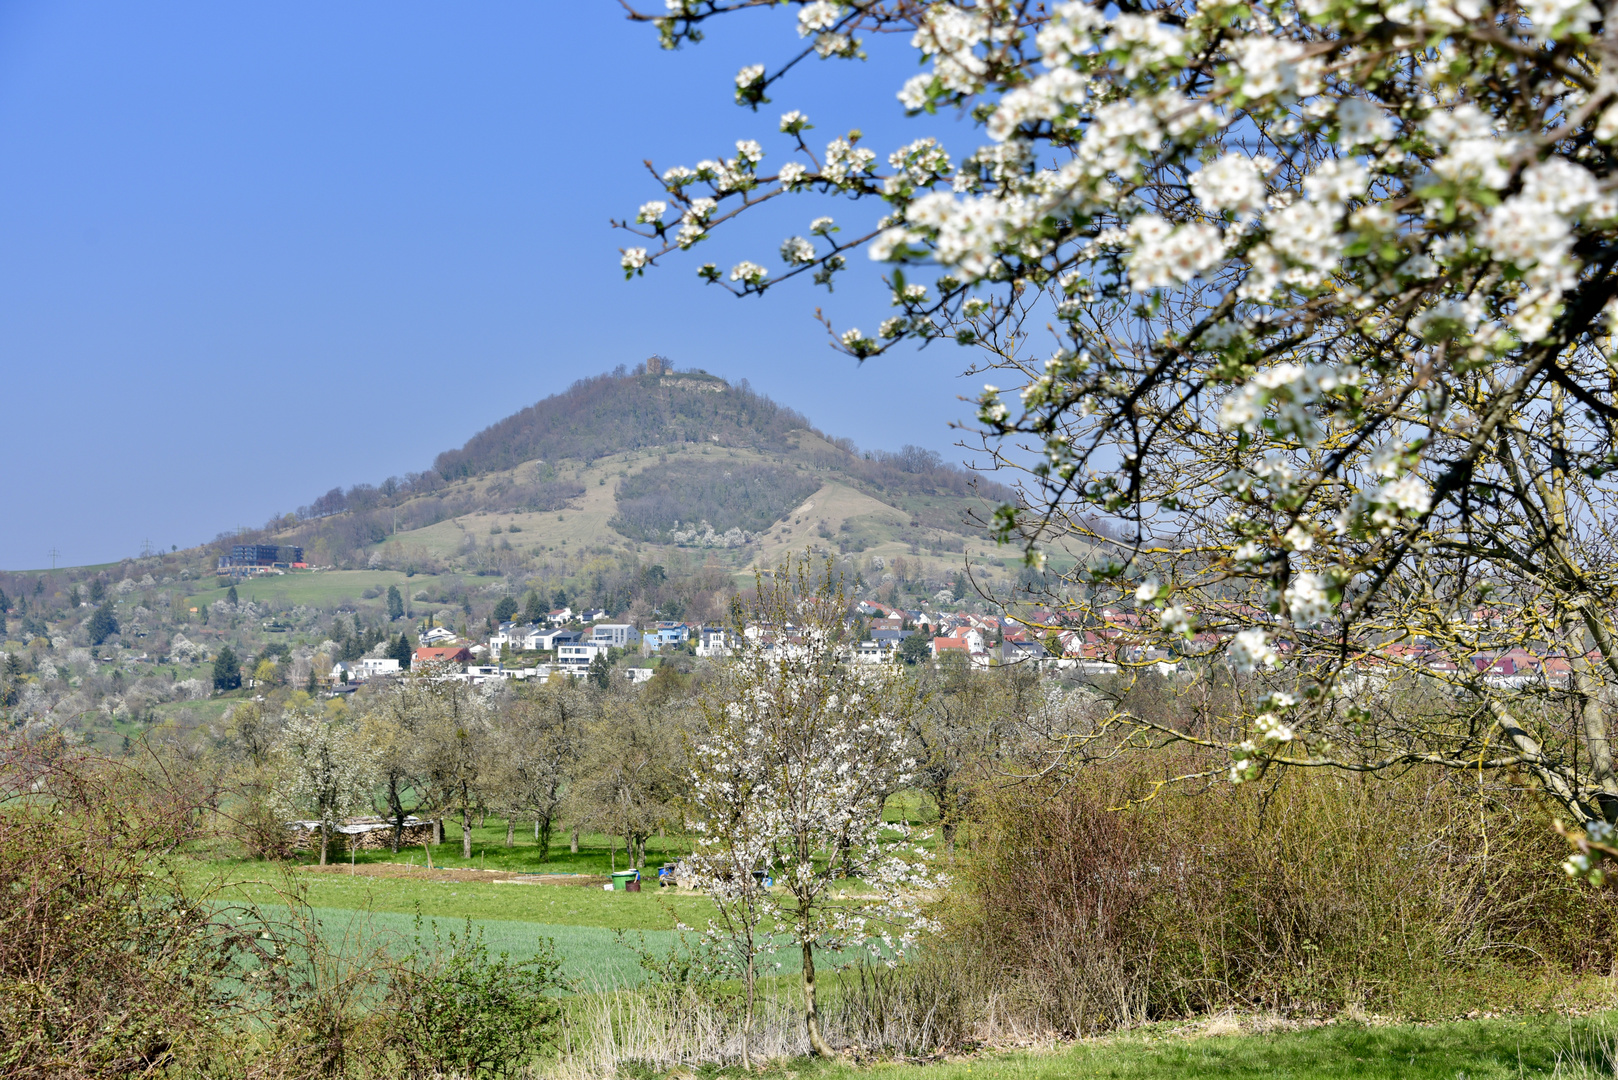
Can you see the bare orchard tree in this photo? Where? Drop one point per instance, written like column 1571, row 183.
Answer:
column 534, row 753
column 628, row 779
column 326, row 768
column 399, row 719
column 790, row 774
column 1324, row 288
column 452, row 747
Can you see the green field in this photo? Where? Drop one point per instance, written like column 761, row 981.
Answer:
column 1538, row 1046
column 320, row 588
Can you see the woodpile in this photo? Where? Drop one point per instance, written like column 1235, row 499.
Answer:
column 362, row 834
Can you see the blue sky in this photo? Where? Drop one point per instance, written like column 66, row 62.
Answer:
column 250, row 252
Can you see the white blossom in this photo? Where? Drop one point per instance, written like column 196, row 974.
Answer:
column 1251, row 649
column 1307, row 600
column 1231, row 182
column 797, row 250
column 748, row 273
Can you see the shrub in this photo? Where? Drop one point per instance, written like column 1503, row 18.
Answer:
column 1310, row 894
column 459, row 1011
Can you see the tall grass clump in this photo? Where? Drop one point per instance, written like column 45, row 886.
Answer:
column 1087, row 905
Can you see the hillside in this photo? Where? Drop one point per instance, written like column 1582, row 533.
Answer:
column 625, row 461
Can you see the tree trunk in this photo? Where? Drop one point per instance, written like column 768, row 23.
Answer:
column 396, row 804
column 325, row 838
column 466, row 832
column 811, row 1010
column 750, row 981
column 511, row 834
column 612, row 852
column 438, row 829
column 574, row 847
column 536, row 830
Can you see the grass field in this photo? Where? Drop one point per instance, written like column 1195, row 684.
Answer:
column 1469, row 1050
column 321, row 588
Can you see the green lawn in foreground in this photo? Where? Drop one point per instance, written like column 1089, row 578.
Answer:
column 1468, row 1050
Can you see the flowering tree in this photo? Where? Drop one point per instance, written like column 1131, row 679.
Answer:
column 1326, row 287
column 798, row 753
column 326, row 770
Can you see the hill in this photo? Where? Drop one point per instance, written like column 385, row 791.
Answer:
column 731, row 466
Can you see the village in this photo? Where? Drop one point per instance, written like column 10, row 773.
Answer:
column 576, row 644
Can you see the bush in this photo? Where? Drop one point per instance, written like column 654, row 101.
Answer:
column 457, row 1011
column 108, row 964
column 1312, row 893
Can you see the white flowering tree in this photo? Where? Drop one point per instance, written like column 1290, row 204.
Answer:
column 1314, row 293
column 326, row 769
column 798, row 752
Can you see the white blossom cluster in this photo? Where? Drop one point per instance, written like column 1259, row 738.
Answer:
column 790, row 779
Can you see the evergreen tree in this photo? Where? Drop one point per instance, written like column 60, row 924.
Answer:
column 98, row 591
column 959, row 591
column 103, row 624
column 227, row 670
column 505, row 610
column 598, row 671
column 395, row 603
column 400, row 650
column 5, row 601
column 231, row 598
column 915, row 649
column 559, row 599
column 534, row 608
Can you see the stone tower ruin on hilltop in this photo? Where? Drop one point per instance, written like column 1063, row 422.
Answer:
column 656, row 365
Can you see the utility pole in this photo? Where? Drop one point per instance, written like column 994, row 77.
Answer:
column 54, row 553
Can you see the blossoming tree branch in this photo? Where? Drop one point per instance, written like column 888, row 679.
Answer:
column 1315, row 295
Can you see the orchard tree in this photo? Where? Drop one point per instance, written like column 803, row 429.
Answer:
column 326, row 769
column 1314, row 296
column 798, row 752
column 535, row 753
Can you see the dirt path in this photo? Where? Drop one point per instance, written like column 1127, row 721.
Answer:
column 421, row 873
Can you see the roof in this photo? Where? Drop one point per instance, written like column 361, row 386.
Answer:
column 445, row 652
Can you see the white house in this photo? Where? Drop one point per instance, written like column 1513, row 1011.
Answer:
column 618, row 635
column 505, row 636
column 592, row 615
column 437, row 636
column 714, row 641
column 550, row 639
column 576, row 659
column 560, row 617
column 372, row 667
